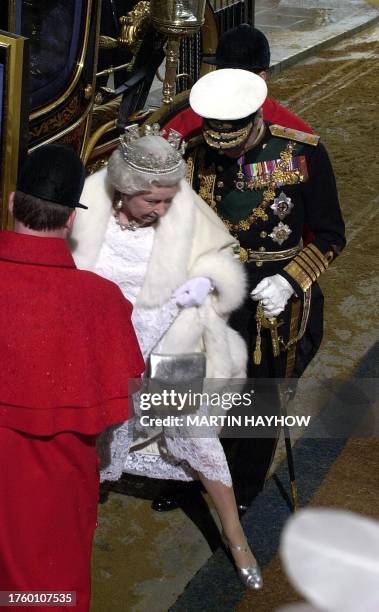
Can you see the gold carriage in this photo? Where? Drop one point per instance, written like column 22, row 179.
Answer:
column 79, row 71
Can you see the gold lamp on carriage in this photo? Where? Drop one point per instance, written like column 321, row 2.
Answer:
column 176, row 19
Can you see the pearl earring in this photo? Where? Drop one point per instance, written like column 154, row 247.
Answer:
column 118, row 205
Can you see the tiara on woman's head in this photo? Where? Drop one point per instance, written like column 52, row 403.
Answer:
column 151, row 162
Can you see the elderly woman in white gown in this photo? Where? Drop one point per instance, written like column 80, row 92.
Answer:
column 149, row 232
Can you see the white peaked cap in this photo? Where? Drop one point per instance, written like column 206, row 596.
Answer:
column 332, row 558
column 228, row 94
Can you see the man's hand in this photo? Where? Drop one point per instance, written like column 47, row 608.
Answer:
column 193, row 292
column 274, row 292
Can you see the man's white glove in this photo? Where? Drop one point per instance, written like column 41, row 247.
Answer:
column 274, row 292
column 193, row 292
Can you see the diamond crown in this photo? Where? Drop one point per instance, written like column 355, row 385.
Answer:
column 151, row 162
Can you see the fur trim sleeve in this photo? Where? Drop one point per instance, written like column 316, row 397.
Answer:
column 90, row 225
column 227, row 276
column 213, row 257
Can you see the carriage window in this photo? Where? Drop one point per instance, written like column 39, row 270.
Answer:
column 53, row 27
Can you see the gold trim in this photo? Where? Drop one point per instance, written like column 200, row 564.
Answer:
column 299, row 275
column 134, row 25
column 60, row 135
column 161, row 114
column 79, row 68
column 58, row 120
column 310, row 262
column 107, row 127
column 316, row 264
column 97, row 165
column 291, row 134
column 259, row 212
column 87, row 131
column 249, row 255
column 304, row 320
column 226, row 140
column 318, row 254
column 191, row 167
column 11, row 124
column 302, row 261
column 291, row 346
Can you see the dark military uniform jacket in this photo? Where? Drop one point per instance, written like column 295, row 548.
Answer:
column 280, row 190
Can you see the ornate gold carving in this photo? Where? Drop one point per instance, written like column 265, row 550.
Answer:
column 88, row 91
column 172, row 56
column 175, row 18
column 59, row 120
column 97, row 165
column 134, row 26
column 107, row 42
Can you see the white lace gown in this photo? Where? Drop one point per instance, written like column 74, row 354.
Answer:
column 123, row 259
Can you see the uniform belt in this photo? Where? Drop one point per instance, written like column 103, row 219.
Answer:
column 248, row 255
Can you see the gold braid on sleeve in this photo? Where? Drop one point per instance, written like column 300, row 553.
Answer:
column 307, row 266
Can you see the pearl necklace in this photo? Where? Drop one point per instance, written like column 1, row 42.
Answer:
column 132, row 226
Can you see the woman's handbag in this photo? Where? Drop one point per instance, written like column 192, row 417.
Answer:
column 178, row 381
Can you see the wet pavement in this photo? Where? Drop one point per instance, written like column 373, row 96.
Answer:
column 143, row 560
column 297, row 28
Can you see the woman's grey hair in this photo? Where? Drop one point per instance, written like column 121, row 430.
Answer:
column 127, row 180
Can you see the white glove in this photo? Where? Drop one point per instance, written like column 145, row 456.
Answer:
column 193, row 292
column 274, row 292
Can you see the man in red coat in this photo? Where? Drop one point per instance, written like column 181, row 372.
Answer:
column 68, row 352
column 246, row 48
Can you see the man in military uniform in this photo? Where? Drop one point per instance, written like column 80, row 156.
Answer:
column 268, row 184
column 247, row 48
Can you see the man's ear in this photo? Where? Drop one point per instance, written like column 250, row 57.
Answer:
column 11, row 202
column 263, row 74
column 70, row 220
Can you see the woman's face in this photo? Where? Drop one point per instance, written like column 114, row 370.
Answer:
column 147, row 207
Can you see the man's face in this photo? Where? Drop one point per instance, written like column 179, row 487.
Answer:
column 224, row 135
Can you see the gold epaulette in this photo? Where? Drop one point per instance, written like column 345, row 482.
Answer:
column 291, row 134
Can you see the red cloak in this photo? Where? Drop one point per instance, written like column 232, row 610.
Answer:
column 68, row 352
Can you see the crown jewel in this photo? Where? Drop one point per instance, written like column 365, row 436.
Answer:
column 151, row 162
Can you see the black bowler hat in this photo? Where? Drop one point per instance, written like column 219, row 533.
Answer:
column 54, row 173
column 242, row 47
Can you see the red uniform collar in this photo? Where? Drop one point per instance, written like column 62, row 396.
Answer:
column 22, row 248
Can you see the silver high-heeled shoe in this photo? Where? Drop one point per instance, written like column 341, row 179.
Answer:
column 251, row 577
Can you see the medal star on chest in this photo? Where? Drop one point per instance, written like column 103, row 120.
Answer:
column 280, row 233
column 263, row 178
column 282, row 206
